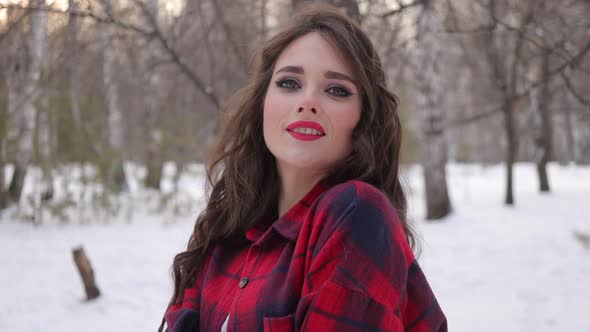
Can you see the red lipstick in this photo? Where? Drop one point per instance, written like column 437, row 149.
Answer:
column 303, row 136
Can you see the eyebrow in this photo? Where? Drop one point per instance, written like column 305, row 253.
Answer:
column 328, row 74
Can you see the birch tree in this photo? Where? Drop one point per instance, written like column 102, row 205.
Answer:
column 6, row 77
column 502, row 50
column 553, row 27
column 74, row 63
column 18, row 128
column 430, row 104
column 23, row 90
column 115, row 176
column 3, row 130
column 575, row 78
column 153, row 100
column 510, row 39
column 543, row 123
column 45, row 141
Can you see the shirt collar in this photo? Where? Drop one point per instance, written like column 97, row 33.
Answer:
column 289, row 224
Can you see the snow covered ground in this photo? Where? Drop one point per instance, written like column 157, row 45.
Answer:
column 493, row 268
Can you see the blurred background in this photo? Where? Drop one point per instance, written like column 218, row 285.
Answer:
column 108, row 109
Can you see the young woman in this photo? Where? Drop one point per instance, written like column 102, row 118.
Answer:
column 305, row 227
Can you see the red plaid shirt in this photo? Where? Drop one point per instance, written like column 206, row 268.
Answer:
column 337, row 261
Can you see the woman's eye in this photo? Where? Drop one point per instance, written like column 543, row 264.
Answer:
column 338, row 91
column 288, row 84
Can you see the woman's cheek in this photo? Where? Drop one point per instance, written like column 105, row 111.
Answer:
column 349, row 117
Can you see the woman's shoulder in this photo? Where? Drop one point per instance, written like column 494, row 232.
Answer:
column 365, row 222
column 352, row 193
column 355, row 198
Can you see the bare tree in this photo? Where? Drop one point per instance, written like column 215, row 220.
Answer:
column 505, row 70
column 3, row 129
column 552, row 27
column 576, row 77
column 512, row 38
column 501, row 46
column 114, row 169
column 153, row 105
column 430, row 104
column 491, row 80
column 15, row 76
column 74, row 62
column 5, row 59
column 23, row 81
column 544, row 137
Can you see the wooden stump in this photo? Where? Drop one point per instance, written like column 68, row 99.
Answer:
column 86, row 273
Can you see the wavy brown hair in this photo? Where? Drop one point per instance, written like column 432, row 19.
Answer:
column 242, row 172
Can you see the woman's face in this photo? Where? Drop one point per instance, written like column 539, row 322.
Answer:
column 311, row 106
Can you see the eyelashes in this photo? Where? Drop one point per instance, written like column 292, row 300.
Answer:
column 290, row 84
column 339, row 91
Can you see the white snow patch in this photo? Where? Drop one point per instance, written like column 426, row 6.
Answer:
column 492, row 268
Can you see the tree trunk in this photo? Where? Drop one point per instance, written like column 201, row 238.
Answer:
column 45, row 146
column 582, row 137
column 3, row 192
column 74, row 64
column 505, row 64
column 509, row 115
column 154, row 132
column 3, row 127
column 86, row 273
column 570, row 140
column 115, row 176
column 9, row 70
column 510, row 109
column 18, row 128
column 23, row 104
column 429, row 96
column 154, row 173
column 545, row 139
column 438, row 204
column 17, row 181
column 263, row 20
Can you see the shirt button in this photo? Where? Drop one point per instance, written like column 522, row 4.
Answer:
column 243, row 282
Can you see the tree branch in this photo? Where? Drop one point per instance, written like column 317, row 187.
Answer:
column 572, row 63
column 402, row 7
column 573, row 91
column 155, row 32
column 13, row 24
column 229, row 35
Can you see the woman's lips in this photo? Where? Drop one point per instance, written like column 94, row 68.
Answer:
column 306, row 130
column 304, row 137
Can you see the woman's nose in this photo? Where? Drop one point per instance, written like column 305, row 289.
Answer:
column 308, row 103
column 312, row 109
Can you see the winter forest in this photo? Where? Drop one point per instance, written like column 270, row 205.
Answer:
column 108, row 109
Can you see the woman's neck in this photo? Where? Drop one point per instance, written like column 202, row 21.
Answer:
column 295, row 183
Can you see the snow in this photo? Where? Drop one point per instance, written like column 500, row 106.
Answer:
column 492, row 267
column 497, row 268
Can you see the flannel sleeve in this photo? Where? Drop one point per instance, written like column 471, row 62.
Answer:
column 363, row 275
column 184, row 316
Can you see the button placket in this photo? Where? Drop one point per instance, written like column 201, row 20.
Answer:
column 249, row 266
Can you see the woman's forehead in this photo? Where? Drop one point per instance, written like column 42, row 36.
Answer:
column 314, row 52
